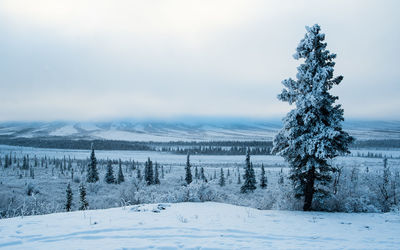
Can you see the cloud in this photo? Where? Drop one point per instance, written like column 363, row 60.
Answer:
column 160, row 58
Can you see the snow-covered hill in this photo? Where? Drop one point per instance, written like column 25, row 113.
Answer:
column 200, row 225
column 182, row 130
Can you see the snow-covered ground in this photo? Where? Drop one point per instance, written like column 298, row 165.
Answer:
column 200, row 226
column 200, row 160
column 64, row 131
column 183, row 130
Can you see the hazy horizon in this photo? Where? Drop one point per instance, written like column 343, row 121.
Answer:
column 101, row 60
column 190, row 119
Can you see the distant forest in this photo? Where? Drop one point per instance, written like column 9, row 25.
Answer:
column 176, row 147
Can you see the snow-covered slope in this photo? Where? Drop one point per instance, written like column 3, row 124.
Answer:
column 200, row 225
column 198, row 130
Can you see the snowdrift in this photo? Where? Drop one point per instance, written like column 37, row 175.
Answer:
column 200, row 225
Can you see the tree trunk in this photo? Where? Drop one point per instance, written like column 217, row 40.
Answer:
column 309, row 190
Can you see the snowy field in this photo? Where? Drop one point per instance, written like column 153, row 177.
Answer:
column 200, row 226
column 207, row 160
column 41, row 188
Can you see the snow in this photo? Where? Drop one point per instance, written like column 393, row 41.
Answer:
column 88, row 126
column 64, row 131
column 166, row 135
column 201, row 131
column 205, row 160
column 160, row 157
column 200, row 225
column 132, row 136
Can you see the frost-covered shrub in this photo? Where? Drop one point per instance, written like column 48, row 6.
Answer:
column 127, row 196
column 206, row 192
column 77, row 179
column 93, row 188
column 31, row 189
column 285, row 199
column 357, row 189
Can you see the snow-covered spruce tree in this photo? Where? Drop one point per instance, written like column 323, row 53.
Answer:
column 92, row 174
column 68, row 203
column 121, row 177
column 156, row 179
column 69, row 164
column 25, row 163
column 222, row 178
column 249, row 184
column 6, row 161
column 83, row 204
column 202, row 175
column 384, row 186
column 138, row 174
column 196, row 173
column 31, row 172
column 148, row 172
column 188, row 175
column 263, row 180
column 109, row 177
column 312, row 132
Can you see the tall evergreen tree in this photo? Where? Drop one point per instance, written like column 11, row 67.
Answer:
column 83, row 204
column 156, row 179
column 25, row 163
column 148, row 172
column 10, row 161
column 68, row 203
column 6, row 161
column 249, row 184
column 312, row 132
column 202, row 176
column 121, row 177
column 196, row 173
column 281, row 178
column 69, row 164
column 32, row 172
column 138, row 173
column 222, row 178
column 188, row 176
column 162, row 171
column 92, row 174
column 109, row 177
column 263, row 180
column 384, row 186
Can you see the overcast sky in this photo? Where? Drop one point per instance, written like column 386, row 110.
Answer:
column 83, row 60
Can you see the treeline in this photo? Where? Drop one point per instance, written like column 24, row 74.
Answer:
column 176, row 147
column 61, row 143
column 210, row 150
column 384, row 144
column 216, row 143
column 373, row 155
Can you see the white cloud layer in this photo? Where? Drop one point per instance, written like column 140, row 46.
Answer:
column 107, row 59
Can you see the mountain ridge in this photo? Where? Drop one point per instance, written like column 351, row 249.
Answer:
column 182, row 130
